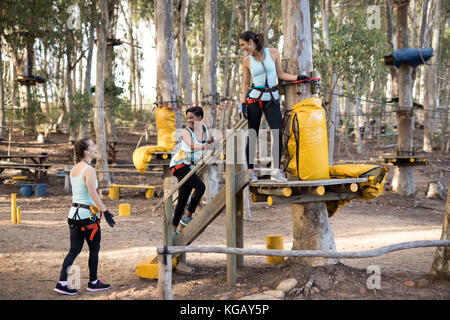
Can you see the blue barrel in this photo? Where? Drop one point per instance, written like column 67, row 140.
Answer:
column 26, row 190
column 40, row 190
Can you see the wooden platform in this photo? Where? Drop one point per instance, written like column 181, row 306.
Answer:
column 305, row 183
column 405, row 160
column 303, row 191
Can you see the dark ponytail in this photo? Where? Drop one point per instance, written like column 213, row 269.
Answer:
column 258, row 39
column 80, row 147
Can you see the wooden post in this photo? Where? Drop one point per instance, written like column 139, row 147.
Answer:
column 165, row 277
column 168, row 208
column 67, row 187
column 240, row 205
column 230, row 187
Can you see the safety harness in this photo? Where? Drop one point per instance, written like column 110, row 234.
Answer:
column 262, row 90
column 95, row 220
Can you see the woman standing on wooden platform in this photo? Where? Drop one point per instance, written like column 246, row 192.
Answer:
column 264, row 66
column 84, row 224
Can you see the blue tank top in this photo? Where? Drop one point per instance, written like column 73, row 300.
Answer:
column 80, row 194
column 259, row 76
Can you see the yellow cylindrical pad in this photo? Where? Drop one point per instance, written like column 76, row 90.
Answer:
column 13, row 209
column 124, row 209
column 274, row 241
column 19, row 215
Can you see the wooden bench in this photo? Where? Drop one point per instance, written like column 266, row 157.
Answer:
column 114, row 190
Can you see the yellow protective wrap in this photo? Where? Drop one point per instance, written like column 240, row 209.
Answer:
column 308, row 142
column 370, row 189
column 166, row 139
column 165, row 122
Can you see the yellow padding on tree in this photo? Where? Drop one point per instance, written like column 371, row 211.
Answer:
column 308, row 142
column 166, row 137
column 165, row 122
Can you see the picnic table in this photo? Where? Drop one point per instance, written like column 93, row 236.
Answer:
column 33, row 164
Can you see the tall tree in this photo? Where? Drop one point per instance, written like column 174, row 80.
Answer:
column 166, row 78
column 209, row 86
column 431, row 102
column 99, row 113
column 312, row 229
column 332, row 83
column 405, row 182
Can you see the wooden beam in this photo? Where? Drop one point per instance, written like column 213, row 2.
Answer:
column 303, row 198
column 305, row 183
column 282, row 192
column 230, row 199
column 350, row 187
column 256, row 197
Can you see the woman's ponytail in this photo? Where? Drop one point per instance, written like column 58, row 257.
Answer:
column 260, row 42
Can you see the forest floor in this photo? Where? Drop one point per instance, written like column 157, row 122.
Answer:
column 31, row 253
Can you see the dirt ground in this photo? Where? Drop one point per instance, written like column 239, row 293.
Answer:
column 31, row 253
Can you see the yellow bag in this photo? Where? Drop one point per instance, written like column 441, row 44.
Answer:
column 376, row 175
column 370, row 189
column 307, row 144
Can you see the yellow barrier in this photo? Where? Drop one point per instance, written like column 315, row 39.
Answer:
column 13, row 209
column 124, row 209
column 274, row 241
column 19, row 215
column 149, row 270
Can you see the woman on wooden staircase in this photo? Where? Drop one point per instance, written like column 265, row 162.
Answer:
column 194, row 140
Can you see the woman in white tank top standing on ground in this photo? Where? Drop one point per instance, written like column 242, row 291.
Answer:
column 263, row 65
column 84, row 224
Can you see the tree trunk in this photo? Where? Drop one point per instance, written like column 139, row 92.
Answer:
column 69, row 87
column 406, row 185
column 390, row 36
column 434, row 67
column 83, row 133
column 312, row 231
column 332, row 96
column 99, row 115
column 132, row 57
column 165, row 56
column 2, row 100
column 210, row 89
column 110, row 121
column 297, row 48
column 185, row 75
column 441, row 263
column 311, row 225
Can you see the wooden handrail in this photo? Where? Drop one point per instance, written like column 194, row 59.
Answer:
column 205, row 159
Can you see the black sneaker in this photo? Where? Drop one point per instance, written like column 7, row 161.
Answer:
column 65, row 289
column 99, row 286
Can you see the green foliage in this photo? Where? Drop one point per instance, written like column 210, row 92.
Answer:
column 32, row 116
column 355, row 50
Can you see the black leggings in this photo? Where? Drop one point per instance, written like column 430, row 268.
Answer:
column 194, row 182
column 77, row 238
column 272, row 112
